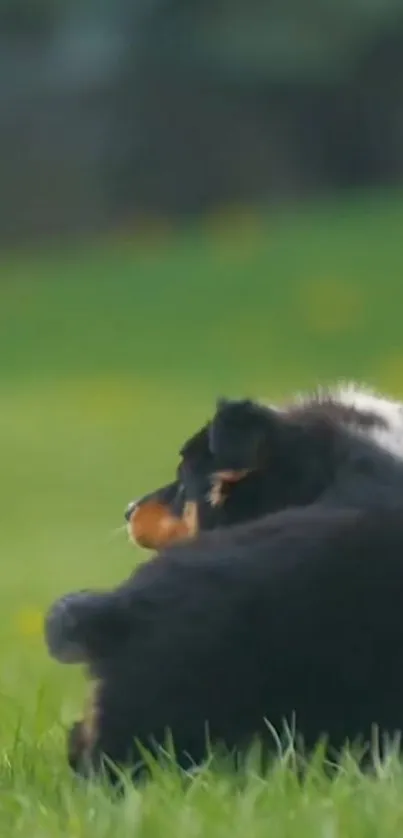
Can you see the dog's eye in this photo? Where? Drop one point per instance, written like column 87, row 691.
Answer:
column 181, row 490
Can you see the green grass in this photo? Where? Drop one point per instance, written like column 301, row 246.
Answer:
column 110, row 354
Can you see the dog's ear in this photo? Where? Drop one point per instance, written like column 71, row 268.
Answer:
column 196, row 448
column 244, row 435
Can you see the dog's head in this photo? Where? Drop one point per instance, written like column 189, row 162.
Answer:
column 339, row 447
column 249, row 460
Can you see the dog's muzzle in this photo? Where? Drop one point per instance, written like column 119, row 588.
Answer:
column 153, row 525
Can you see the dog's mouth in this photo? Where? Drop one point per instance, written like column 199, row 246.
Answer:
column 153, row 525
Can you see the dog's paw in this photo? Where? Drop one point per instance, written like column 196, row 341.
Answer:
column 63, row 627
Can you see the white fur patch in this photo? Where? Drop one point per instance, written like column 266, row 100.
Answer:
column 367, row 401
column 364, row 401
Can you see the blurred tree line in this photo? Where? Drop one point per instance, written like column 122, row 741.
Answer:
column 115, row 108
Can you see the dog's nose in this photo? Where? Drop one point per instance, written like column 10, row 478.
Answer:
column 130, row 509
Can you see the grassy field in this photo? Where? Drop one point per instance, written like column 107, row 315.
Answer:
column 110, row 354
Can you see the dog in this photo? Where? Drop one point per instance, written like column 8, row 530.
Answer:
column 335, row 452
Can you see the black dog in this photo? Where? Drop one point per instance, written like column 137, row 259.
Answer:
column 294, row 618
column 248, row 461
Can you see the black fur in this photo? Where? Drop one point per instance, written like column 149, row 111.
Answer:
column 318, row 452
column 296, row 618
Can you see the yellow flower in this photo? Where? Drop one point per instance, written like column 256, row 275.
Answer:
column 29, row 622
column 389, row 373
column 329, row 306
column 235, row 233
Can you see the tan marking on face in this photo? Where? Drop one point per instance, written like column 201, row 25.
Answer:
column 230, row 476
column 216, row 496
column 153, row 526
column 191, row 518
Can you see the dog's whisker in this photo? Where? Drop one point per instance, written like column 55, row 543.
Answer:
column 116, row 532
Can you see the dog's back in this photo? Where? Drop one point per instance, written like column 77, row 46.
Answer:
column 296, row 616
